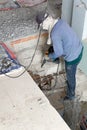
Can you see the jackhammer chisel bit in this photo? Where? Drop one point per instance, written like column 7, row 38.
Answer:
column 43, row 62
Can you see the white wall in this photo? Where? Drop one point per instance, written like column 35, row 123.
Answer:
column 67, row 7
column 79, row 18
column 74, row 12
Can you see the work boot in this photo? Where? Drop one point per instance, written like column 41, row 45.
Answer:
column 68, row 98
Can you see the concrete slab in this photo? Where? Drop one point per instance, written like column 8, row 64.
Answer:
column 24, row 106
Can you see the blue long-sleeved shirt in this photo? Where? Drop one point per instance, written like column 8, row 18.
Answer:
column 65, row 42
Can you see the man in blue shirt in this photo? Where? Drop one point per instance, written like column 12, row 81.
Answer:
column 66, row 44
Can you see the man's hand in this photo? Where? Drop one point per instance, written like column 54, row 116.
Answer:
column 53, row 57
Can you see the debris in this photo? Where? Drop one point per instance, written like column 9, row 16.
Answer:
column 83, row 123
column 44, row 82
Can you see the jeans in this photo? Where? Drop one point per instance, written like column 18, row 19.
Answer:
column 71, row 80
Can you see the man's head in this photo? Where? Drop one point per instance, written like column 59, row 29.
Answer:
column 46, row 20
column 41, row 16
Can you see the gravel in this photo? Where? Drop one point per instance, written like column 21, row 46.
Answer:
column 19, row 22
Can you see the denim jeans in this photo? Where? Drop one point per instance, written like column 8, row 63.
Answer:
column 71, row 79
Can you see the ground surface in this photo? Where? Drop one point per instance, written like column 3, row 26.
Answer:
column 20, row 22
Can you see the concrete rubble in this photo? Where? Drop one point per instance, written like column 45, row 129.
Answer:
column 17, row 23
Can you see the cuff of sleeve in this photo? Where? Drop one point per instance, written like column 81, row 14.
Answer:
column 52, row 56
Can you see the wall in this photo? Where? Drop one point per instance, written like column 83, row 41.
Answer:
column 67, row 7
column 79, row 18
column 74, row 12
column 83, row 63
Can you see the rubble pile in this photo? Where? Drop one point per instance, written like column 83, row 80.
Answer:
column 44, row 82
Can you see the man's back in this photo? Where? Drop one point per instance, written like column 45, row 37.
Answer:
column 65, row 41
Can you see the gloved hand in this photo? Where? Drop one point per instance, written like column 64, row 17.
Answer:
column 53, row 57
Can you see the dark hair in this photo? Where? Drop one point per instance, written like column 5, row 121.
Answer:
column 50, row 50
column 41, row 16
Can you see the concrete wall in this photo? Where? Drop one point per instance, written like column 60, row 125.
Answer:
column 79, row 18
column 67, row 8
column 74, row 12
column 83, row 63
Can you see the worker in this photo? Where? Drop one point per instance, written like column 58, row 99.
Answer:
column 66, row 44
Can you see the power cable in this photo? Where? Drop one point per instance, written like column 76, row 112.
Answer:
column 31, row 58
